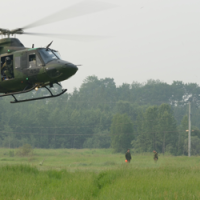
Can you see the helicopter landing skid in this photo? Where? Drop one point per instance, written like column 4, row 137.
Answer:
column 32, row 99
column 38, row 98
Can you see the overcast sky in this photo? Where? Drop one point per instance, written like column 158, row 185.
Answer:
column 151, row 39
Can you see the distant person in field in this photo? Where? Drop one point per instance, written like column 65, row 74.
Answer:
column 128, row 156
column 155, row 157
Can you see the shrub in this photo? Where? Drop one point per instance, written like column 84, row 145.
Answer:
column 11, row 153
column 25, row 150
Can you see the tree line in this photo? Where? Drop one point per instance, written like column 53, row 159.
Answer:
column 143, row 116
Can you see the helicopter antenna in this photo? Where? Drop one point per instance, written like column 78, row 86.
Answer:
column 49, row 45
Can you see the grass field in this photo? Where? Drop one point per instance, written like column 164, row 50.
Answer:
column 68, row 174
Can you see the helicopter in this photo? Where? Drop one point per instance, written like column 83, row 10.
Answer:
column 24, row 69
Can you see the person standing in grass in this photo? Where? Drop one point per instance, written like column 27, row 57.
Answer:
column 128, row 156
column 155, row 157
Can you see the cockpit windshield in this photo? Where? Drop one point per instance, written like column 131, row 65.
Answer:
column 57, row 54
column 48, row 55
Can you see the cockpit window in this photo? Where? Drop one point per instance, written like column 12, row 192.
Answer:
column 47, row 55
column 57, row 54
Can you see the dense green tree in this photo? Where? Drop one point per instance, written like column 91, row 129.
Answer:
column 147, row 130
column 182, row 135
column 140, row 137
column 121, row 132
column 167, row 129
column 156, row 130
column 79, row 118
column 98, row 140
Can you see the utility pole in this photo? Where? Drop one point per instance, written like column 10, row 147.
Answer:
column 189, row 131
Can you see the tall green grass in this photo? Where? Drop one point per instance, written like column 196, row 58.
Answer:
column 97, row 175
column 126, row 182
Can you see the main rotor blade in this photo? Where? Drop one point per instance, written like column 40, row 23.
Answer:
column 75, row 37
column 83, row 8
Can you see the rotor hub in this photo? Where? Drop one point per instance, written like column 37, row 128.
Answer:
column 7, row 32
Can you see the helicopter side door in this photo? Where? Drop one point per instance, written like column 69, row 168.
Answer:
column 28, row 63
column 35, row 66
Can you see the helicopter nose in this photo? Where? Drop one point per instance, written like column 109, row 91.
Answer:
column 73, row 68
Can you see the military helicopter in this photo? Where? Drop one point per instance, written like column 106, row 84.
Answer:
column 25, row 69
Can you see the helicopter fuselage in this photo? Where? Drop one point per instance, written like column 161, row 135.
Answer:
column 32, row 66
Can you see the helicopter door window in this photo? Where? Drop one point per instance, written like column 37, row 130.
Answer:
column 32, row 61
column 17, row 62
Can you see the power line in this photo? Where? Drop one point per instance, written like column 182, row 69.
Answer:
column 78, row 126
column 82, row 134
